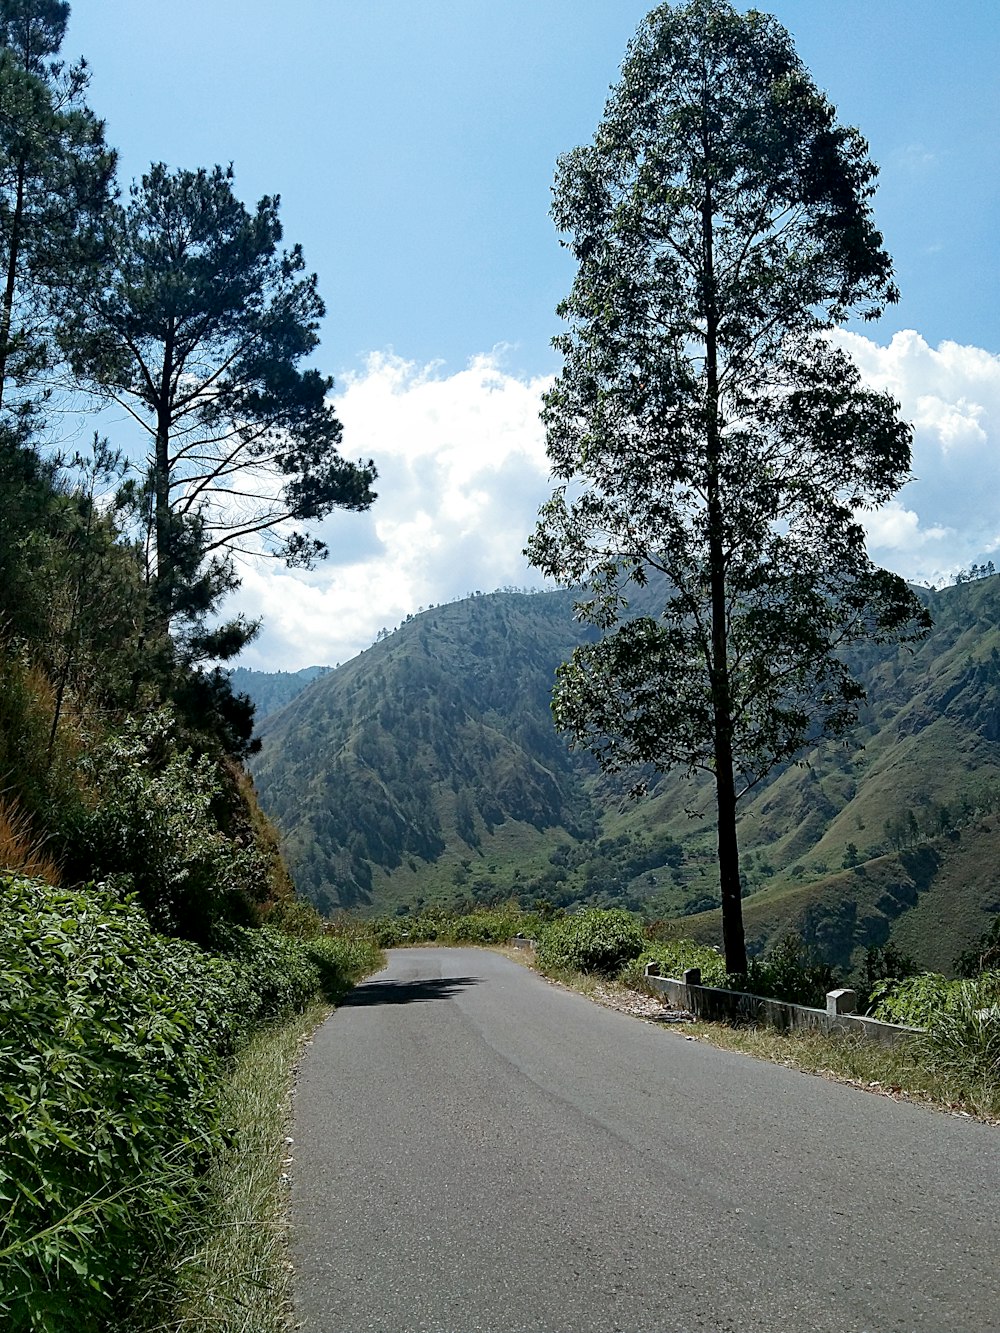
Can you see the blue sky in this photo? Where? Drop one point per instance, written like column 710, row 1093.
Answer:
column 413, row 146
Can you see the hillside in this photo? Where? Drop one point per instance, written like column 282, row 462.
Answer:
column 431, row 749
column 427, row 770
column 270, row 691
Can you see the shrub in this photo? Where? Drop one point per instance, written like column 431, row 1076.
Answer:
column 267, row 976
column 109, row 1066
column 674, row 957
column 961, row 1021
column 39, row 767
column 791, row 971
column 963, row 1041
column 913, row 1001
column 112, row 1051
column 488, row 926
column 390, row 931
column 594, row 940
column 341, row 958
column 882, row 963
column 154, row 827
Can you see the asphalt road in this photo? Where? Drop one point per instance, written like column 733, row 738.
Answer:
column 477, row 1151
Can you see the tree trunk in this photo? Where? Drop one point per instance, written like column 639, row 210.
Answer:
column 163, row 585
column 733, row 938
column 7, row 315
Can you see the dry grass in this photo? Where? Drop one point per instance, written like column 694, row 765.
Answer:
column 900, row 1072
column 906, row 1072
column 20, row 851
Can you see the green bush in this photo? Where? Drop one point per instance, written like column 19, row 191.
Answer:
column 674, row 957
column 341, row 958
column 155, row 829
column 109, row 1067
column 594, row 940
column 390, row 931
column 790, row 971
column 961, row 1022
column 113, row 1047
column 267, row 975
column 919, row 1001
column 488, row 926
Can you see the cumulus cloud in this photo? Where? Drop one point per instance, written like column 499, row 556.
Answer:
column 462, row 471
column 948, row 517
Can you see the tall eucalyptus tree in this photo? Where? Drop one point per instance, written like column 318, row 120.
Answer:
column 705, row 431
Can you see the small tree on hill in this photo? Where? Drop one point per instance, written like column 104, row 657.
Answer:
column 200, row 332
column 706, row 433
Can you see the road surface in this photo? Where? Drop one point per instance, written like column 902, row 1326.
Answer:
column 478, row 1151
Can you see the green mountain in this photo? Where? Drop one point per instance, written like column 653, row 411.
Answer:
column 432, row 748
column 270, row 691
column 427, row 770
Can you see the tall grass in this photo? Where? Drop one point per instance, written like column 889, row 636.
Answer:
column 21, row 852
column 234, row 1275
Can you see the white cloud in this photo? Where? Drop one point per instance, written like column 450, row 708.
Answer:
column 462, row 467
column 462, row 471
column 949, row 515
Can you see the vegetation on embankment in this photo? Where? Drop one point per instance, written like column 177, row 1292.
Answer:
column 954, row 1064
column 117, row 1049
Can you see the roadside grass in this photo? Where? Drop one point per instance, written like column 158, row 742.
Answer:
column 903, row 1071
column 236, row 1277
column 910, row 1071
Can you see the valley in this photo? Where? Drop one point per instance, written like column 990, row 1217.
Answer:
column 426, row 772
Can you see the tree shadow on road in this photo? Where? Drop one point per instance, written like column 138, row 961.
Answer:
column 407, row 992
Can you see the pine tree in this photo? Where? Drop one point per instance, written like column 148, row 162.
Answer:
column 56, row 179
column 199, row 332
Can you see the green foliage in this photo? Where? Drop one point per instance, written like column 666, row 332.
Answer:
column 198, row 291
column 963, row 1040
column 715, row 445
column 483, row 926
column 674, row 957
column 790, row 971
column 882, row 963
column 156, row 827
column 914, row 1001
column 112, row 1051
column 109, row 1061
column 495, row 926
column 961, row 1022
column 56, row 177
column 593, row 940
column 340, row 958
